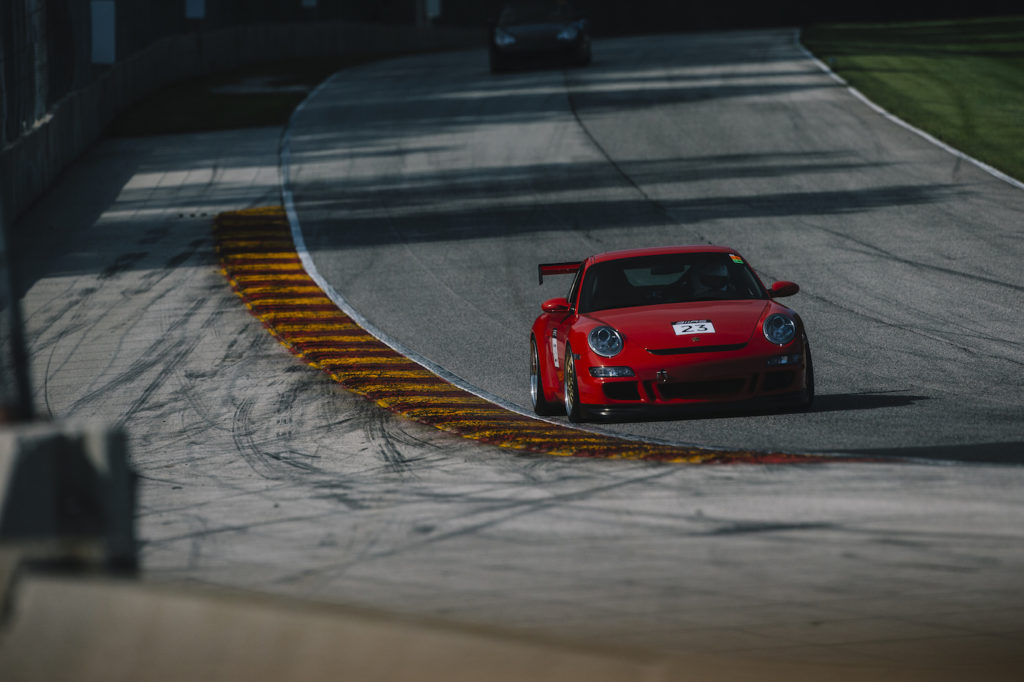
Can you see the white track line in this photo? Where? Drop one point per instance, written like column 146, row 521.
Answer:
column 900, row 122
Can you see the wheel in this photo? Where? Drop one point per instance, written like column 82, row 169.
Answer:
column 584, row 56
column 541, row 405
column 807, row 395
column 573, row 410
column 497, row 63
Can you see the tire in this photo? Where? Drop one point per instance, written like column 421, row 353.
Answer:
column 497, row 63
column 541, row 405
column 573, row 410
column 584, row 56
column 807, row 395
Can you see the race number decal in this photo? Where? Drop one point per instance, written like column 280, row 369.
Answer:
column 693, row 327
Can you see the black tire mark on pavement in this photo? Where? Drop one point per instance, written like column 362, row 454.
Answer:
column 123, row 262
column 377, row 432
column 495, row 513
column 260, row 460
column 156, row 353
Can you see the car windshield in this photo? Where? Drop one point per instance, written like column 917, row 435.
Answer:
column 670, row 278
column 535, row 13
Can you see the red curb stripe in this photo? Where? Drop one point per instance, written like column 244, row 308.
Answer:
column 272, row 294
column 289, row 317
column 264, row 307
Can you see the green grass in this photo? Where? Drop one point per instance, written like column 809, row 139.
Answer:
column 196, row 105
column 961, row 81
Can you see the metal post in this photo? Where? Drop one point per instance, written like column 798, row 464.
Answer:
column 17, row 407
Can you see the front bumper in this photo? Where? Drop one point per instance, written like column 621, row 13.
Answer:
column 694, row 380
column 540, row 48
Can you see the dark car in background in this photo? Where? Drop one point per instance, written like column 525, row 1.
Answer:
column 528, row 33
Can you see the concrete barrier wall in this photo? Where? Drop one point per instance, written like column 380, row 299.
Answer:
column 32, row 162
column 67, row 494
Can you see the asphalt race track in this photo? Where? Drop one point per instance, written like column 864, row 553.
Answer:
column 428, row 190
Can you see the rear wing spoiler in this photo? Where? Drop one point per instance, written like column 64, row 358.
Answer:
column 557, row 269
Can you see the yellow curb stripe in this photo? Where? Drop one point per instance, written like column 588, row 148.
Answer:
column 278, row 267
column 270, row 302
column 278, row 289
column 363, row 360
column 400, row 387
column 252, row 255
column 485, row 411
column 310, row 349
column 289, row 320
column 277, row 277
column 378, row 373
column 335, row 338
column 309, row 327
column 432, row 401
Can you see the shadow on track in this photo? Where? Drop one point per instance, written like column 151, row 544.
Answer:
column 974, row 453
column 835, row 402
column 843, row 402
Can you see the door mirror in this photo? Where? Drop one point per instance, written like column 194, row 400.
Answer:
column 783, row 288
column 555, row 305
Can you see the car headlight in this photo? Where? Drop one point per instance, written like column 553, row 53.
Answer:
column 609, row 372
column 605, row 341
column 779, row 329
column 568, row 33
column 503, row 38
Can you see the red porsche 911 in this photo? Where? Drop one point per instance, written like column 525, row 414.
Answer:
column 666, row 328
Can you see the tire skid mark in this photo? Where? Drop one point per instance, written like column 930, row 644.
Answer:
column 488, row 513
column 266, row 463
column 258, row 258
column 163, row 353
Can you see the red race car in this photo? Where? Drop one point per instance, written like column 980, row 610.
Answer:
column 666, row 327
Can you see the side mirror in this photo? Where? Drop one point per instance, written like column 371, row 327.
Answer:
column 555, row 305
column 783, row 288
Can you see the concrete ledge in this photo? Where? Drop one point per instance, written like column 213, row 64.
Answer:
column 91, row 629
column 32, row 162
column 84, row 630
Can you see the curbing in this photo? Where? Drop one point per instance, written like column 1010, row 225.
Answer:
column 261, row 262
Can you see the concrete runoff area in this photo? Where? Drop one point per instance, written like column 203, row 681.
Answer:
column 258, row 475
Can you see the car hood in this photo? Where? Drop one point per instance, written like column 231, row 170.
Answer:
column 651, row 326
